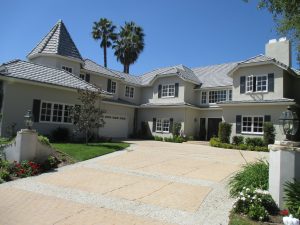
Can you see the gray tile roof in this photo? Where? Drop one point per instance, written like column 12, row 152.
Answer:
column 264, row 101
column 57, row 41
column 94, row 67
column 131, row 79
column 215, row 75
column 38, row 73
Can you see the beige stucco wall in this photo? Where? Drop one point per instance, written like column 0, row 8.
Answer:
column 190, row 95
column 258, row 70
column 230, row 113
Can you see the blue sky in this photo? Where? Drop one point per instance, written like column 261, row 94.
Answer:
column 190, row 32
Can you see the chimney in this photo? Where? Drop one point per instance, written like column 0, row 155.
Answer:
column 280, row 50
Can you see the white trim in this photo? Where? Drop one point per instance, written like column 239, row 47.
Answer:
column 116, row 87
column 54, row 55
column 168, row 90
column 162, row 125
column 67, row 68
column 129, row 91
column 252, row 124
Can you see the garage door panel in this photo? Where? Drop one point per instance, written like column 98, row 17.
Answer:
column 115, row 126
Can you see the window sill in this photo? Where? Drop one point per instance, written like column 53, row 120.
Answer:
column 162, row 132
column 257, row 92
column 168, row 97
column 252, row 133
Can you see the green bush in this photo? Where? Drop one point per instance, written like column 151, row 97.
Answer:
column 224, row 132
column 50, row 163
column 4, row 174
column 254, row 142
column 176, row 129
column 292, row 197
column 252, row 175
column 258, row 212
column 60, row 134
column 269, row 133
column 215, row 142
column 44, row 140
column 237, row 140
column 242, row 147
column 158, row 138
column 176, row 139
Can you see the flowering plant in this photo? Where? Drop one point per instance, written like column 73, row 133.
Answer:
column 25, row 168
column 256, row 204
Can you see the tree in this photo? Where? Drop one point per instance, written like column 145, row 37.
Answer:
column 129, row 44
column 286, row 14
column 104, row 30
column 88, row 116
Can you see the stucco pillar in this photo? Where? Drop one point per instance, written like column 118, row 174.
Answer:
column 284, row 166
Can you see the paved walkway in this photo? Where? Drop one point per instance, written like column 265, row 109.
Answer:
column 150, row 183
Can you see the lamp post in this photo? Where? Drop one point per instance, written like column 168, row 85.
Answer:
column 28, row 120
column 289, row 122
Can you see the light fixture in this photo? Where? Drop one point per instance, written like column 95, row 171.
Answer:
column 28, row 120
column 289, row 122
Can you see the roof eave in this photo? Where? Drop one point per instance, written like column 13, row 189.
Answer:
column 32, row 56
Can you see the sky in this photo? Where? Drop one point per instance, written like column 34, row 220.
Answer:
column 190, row 32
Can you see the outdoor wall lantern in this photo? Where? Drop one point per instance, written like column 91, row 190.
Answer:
column 289, row 122
column 28, row 119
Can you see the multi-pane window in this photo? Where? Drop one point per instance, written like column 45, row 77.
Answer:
column 163, row 125
column 68, row 69
column 217, row 96
column 113, row 87
column 257, row 83
column 129, row 91
column 249, row 83
column 203, row 97
column 253, row 124
column 168, row 90
column 261, row 83
column 55, row 112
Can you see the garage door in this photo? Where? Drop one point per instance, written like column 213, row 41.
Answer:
column 116, row 126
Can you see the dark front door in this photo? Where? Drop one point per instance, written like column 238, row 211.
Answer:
column 213, row 127
column 202, row 132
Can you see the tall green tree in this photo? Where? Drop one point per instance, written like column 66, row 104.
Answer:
column 104, row 30
column 286, row 14
column 129, row 45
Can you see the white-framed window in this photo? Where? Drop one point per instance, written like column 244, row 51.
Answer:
column 203, row 97
column 168, row 90
column 55, row 112
column 129, row 91
column 113, row 87
column 257, row 83
column 217, row 96
column 249, row 84
column 252, row 124
column 68, row 69
column 163, row 125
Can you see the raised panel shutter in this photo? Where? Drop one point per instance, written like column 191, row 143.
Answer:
column 242, row 85
column 36, row 105
column 176, row 89
column 267, row 118
column 171, row 125
column 87, row 77
column 238, row 124
column 271, row 82
column 154, row 125
column 159, row 91
column 109, row 85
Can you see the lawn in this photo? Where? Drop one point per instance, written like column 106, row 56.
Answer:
column 81, row 152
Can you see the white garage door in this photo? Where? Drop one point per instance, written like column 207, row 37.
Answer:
column 115, row 126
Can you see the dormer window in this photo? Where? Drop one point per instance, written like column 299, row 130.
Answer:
column 168, row 90
column 129, row 91
column 113, row 87
column 257, row 83
column 68, row 69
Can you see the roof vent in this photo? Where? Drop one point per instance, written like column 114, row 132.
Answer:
column 272, row 41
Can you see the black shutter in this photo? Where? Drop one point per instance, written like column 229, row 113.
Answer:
column 267, row 118
column 238, row 124
column 176, row 89
column 159, row 91
column 87, row 77
column 154, row 125
column 109, row 85
column 242, row 85
column 171, row 126
column 254, row 84
column 271, row 82
column 36, row 105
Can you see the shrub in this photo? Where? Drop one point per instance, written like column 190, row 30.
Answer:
column 168, row 139
column 176, row 129
column 292, row 197
column 254, row 142
column 25, row 168
column 237, row 140
column 4, row 174
column 253, row 175
column 176, row 139
column 44, row 140
column 269, row 133
column 215, row 142
column 60, row 134
column 224, row 132
column 158, row 138
column 258, row 212
column 242, row 147
column 50, row 163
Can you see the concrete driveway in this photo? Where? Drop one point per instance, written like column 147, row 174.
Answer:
column 150, row 183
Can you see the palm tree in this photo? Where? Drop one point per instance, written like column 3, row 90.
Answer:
column 104, row 30
column 129, row 44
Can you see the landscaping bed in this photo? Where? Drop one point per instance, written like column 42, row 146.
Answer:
column 237, row 219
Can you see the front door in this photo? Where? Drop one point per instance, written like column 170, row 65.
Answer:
column 202, row 132
column 213, row 127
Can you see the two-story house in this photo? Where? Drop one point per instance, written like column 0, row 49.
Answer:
column 245, row 94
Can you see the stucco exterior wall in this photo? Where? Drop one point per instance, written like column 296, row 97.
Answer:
column 190, row 95
column 258, row 70
column 192, row 124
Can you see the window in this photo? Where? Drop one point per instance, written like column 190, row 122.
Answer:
column 114, row 87
column 82, row 76
column 163, row 125
column 68, row 69
column 203, row 97
column 257, row 83
column 217, row 96
column 168, row 90
column 252, row 124
column 55, row 112
column 129, row 92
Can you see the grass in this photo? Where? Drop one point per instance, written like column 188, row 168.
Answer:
column 236, row 219
column 4, row 140
column 81, row 152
